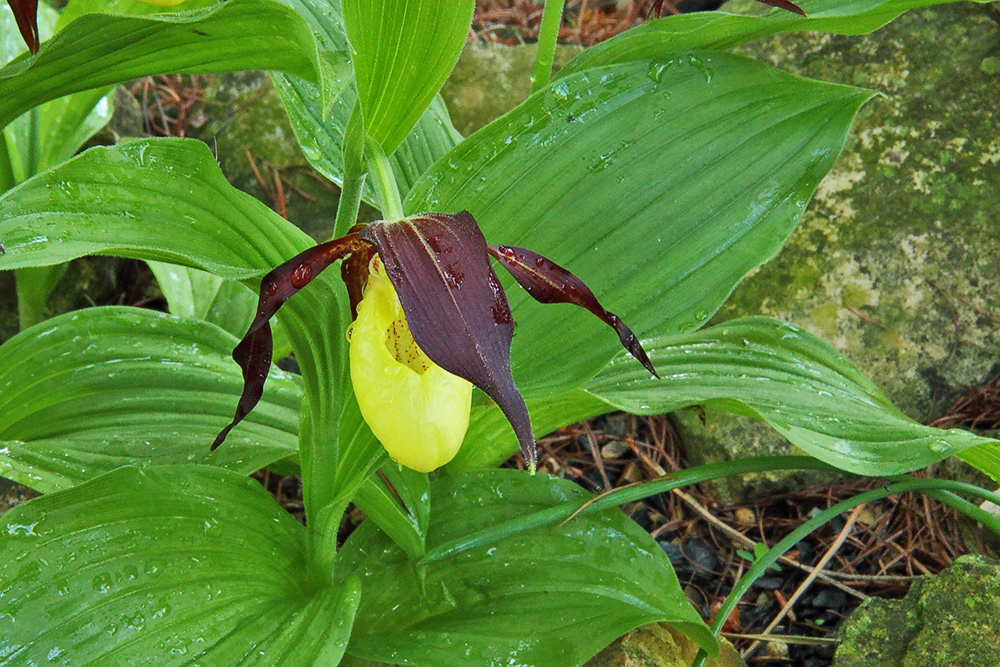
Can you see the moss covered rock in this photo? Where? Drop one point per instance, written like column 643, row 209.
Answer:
column 948, row 620
column 897, row 260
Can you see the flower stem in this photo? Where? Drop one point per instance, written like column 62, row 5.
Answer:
column 6, row 167
column 354, row 174
column 548, row 34
column 384, row 181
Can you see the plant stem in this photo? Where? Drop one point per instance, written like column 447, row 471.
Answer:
column 354, row 174
column 6, row 167
column 548, row 34
column 384, row 181
column 623, row 495
column 937, row 488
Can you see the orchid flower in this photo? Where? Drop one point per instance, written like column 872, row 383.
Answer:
column 431, row 321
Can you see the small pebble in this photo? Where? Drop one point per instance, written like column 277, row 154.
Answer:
column 701, row 555
column 616, row 426
column 745, row 517
column 613, row 449
column 633, row 473
column 673, row 551
column 777, row 650
column 769, row 583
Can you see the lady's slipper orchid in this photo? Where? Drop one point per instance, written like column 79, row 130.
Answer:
column 431, row 319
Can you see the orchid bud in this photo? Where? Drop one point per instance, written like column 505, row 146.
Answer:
column 417, row 410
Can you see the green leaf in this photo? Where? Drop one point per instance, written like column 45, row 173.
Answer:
column 190, row 216
column 321, row 135
column 403, row 50
column 552, row 596
column 660, row 187
column 98, row 50
column 190, row 213
column 721, row 30
column 490, row 440
column 101, row 388
column 166, row 566
column 795, row 382
column 203, row 296
column 403, row 510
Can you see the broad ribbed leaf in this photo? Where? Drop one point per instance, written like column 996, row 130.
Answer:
column 549, row 597
column 719, row 30
column 98, row 50
column 659, row 185
column 173, row 565
column 454, row 305
column 489, row 442
column 190, row 215
column 55, row 131
column 321, row 135
column 403, row 50
column 798, row 384
column 91, row 391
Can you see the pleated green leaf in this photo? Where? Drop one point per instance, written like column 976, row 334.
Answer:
column 321, row 134
column 87, row 392
column 173, row 565
column 403, row 50
column 660, row 185
column 98, row 50
column 794, row 381
column 551, row 597
column 166, row 200
column 721, row 30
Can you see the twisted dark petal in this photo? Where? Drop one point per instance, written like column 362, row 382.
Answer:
column 454, row 305
column 784, row 4
column 548, row 282
column 253, row 353
column 354, row 272
column 26, row 15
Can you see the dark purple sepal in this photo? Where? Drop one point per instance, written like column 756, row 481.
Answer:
column 26, row 15
column 547, row 282
column 354, row 272
column 454, row 305
column 784, row 4
column 254, row 352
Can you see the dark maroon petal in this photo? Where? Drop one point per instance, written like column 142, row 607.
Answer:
column 454, row 305
column 26, row 15
column 784, row 4
column 548, row 282
column 253, row 353
column 354, row 272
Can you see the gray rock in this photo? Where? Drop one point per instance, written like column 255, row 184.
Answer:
column 947, row 620
column 897, row 260
column 491, row 79
column 244, row 114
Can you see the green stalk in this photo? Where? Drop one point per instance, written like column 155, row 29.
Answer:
column 941, row 489
column 624, row 495
column 548, row 34
column 354, row 174
column 320, row 445
column 384, row 181
column 6, row 167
